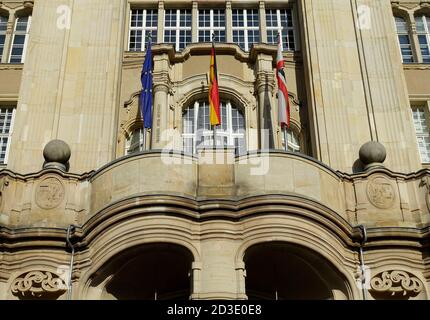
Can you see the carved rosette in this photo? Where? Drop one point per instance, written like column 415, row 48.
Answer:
column 396, row 282
column 380, row 192
column 38, row 284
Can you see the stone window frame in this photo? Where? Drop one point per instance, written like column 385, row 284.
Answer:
column 425, row 105
column 228, row 133
column 195, row 6
column 4, row 18
column 7, row 108
column 293, row 131
column 20, row 33
column 284, row 31
column 212, row 29
column 134, row 147
column 404, row 46
column 409, row 14
column 246, row 28
column 13, row 15
column 178, row 28
column 144, row 29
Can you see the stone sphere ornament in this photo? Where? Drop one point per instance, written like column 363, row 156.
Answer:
column 372, row 154
column 57, row 154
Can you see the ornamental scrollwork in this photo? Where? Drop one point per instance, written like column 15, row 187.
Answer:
column 38, row 284
column 396, row 283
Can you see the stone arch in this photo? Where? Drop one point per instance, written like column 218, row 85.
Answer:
column 280, row 270
column 401, row 11
column 422, row 10
column 129, row 120
column 119, row 235
column 145, row 272
column 306, row 234
column 197, row 89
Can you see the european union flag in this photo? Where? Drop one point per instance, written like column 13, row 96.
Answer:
column 146, row 94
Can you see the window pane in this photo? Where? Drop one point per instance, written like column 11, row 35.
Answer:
column 3, row 24
column 238, row 20
column 5, row 131
column 252, row 18
column 152, row 18
column 422, row 132
column 402, row 26
column 226, row 135
column 419, row 22
column 19, row 39
column 239, row 38
column 21, row 24
column 284, row 26
column 135, row 141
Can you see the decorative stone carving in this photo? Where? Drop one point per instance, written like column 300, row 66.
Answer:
column 396, row 282
column 425, row 182
column 49, row 193
column 38, row 284
column 380, row 192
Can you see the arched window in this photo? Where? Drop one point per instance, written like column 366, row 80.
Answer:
column 423, row 30
column 19, row 39
column 293, row 140
column 197, row 131
column 3, row 27
column 134, row 142
column 404, row 40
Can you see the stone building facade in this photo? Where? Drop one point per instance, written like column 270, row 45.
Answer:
column 92, row 209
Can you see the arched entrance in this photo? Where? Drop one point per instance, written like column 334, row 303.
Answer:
column 149, row 272
column 283, row 271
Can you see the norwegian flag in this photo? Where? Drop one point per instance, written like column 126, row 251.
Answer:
column 283, row 101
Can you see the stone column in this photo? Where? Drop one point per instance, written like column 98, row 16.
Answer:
column 8, row 38
column 161, row 108
column 195, row 14
column 77, row 89
column 265, row 84
column 262, row 14
column 160, row 24
column 229, row 22
column 361, row 84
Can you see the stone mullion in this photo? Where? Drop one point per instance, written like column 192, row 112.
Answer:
column 195, row 13
column 229, row 22
column 415, row 43
column 160, row 24
column 8, row 38
column 262, row 14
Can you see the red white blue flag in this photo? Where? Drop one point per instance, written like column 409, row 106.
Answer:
column 283, row 101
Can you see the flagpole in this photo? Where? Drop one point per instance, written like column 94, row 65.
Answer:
column 214, row 126
column 285, row 137
column 144, row 138
column 145, row 130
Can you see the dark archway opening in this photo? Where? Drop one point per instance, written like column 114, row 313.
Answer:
column 149, row 272
column 282, row 271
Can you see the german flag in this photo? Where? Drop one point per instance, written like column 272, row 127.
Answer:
column 214, row 112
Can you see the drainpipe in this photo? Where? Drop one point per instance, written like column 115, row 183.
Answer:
column 70, row 229
column 363, row 273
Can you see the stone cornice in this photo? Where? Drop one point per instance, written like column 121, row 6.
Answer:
column 202, row 211
column 136, row 58
column 151, row 153
column 31, row 176
column 11, row 66
column 416, row 66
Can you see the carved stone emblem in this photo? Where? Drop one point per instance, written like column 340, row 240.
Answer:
column 380, row 192
column 38, row 284
column 396, row 282
column 49, row 193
